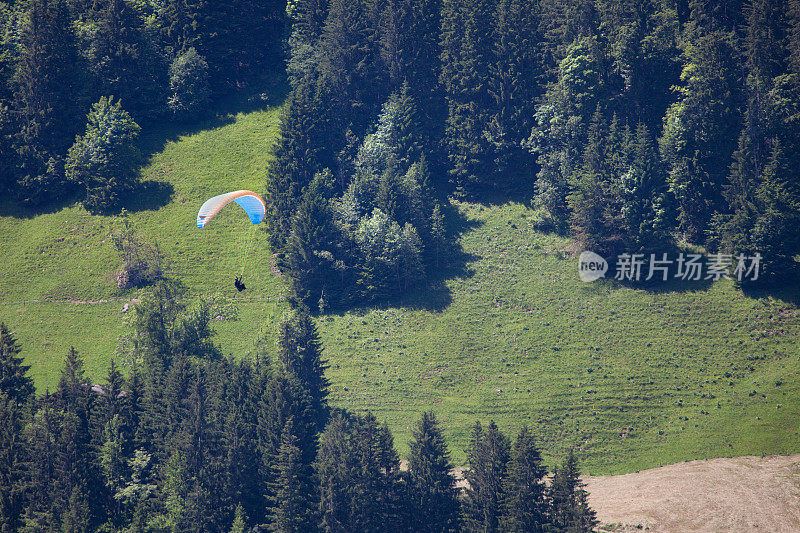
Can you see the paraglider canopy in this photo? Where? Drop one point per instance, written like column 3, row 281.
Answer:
column 252, row 204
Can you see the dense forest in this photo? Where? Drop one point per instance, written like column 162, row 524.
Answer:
column 193, row 441
column 634, row 126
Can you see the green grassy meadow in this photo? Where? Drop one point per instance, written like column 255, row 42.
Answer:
column 631, row 378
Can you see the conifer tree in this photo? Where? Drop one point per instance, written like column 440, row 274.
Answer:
column 14, row 381
column 351, row 61
column 77, row 477
column 48, row 95
column 296, row 506
column 432, row 488
column 295, row 164
column 358, row 471
column 465, row 73
column 488, row 457
column 525, row 505
column 239, row 521
column 125, row 62
column 419, row 24
column 301, row 356
column 41, row 468
column 643, row 197
column 437, row 245
column 16, row 387
column 113, row 400
column 700, row 130
column 11, row 424
column 239, row 442
column 513, row 88
column 113, row 464
column 569, row 509
column 314, row 244
column 793, row 35
column 283, row 399
column 410, row 137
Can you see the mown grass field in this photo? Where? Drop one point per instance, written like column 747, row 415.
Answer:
column 632, row 378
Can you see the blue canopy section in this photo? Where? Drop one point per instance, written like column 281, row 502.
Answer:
column 252, row 204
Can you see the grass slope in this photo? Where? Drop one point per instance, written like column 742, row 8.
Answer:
column 632, row 378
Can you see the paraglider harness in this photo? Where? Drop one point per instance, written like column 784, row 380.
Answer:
column 239, row 284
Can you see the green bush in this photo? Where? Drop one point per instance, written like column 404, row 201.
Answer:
column 105, row 158
column 188, row 83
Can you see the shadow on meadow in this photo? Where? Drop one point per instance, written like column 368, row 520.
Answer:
column 787, row 291
column 269, row 92
column 11, row 207
column 154, row 194
column 433, row 295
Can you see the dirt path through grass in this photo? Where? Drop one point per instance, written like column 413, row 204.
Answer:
column 740, row 494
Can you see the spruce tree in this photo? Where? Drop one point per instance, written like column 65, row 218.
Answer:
column 437, row 244
column 774, row 234
column 569, row 509
column 113, row 400
column 239, row 442
column 48, row 98
column 125, row 62
column 78, row 480
column 700, row 131
column 41, row 469
column 16, row 389
column 488, row 457
column 432, row 488
column 525, row 505
column 643, row 197
column 113, row 463
column 295, row 164
column 351, row 62
column 14, row 381
column 295, row 502
column 11, row 424
column 358, row 475
column 239, row 521
column 284, row 398
column 513, row 88
column 411, row 136
column 419, row 24
column 465, row 73
column 314, row 244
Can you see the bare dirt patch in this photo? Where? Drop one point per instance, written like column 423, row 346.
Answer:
column 739, row 494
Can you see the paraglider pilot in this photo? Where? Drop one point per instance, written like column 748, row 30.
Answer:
column 239, row 285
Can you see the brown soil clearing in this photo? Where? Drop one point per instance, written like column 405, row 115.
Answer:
column 741, row 494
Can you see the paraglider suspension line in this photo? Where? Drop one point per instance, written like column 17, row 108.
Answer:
column 247, row 252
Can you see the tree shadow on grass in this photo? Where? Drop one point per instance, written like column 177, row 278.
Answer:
column 269, row 92
column 433, row 294
column 789, row 291
column 11, row 207
column 153, row 194
column 149, row 195
column 653, row 286
column 521, row 192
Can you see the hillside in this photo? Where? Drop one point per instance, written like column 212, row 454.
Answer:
column 634, row 378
